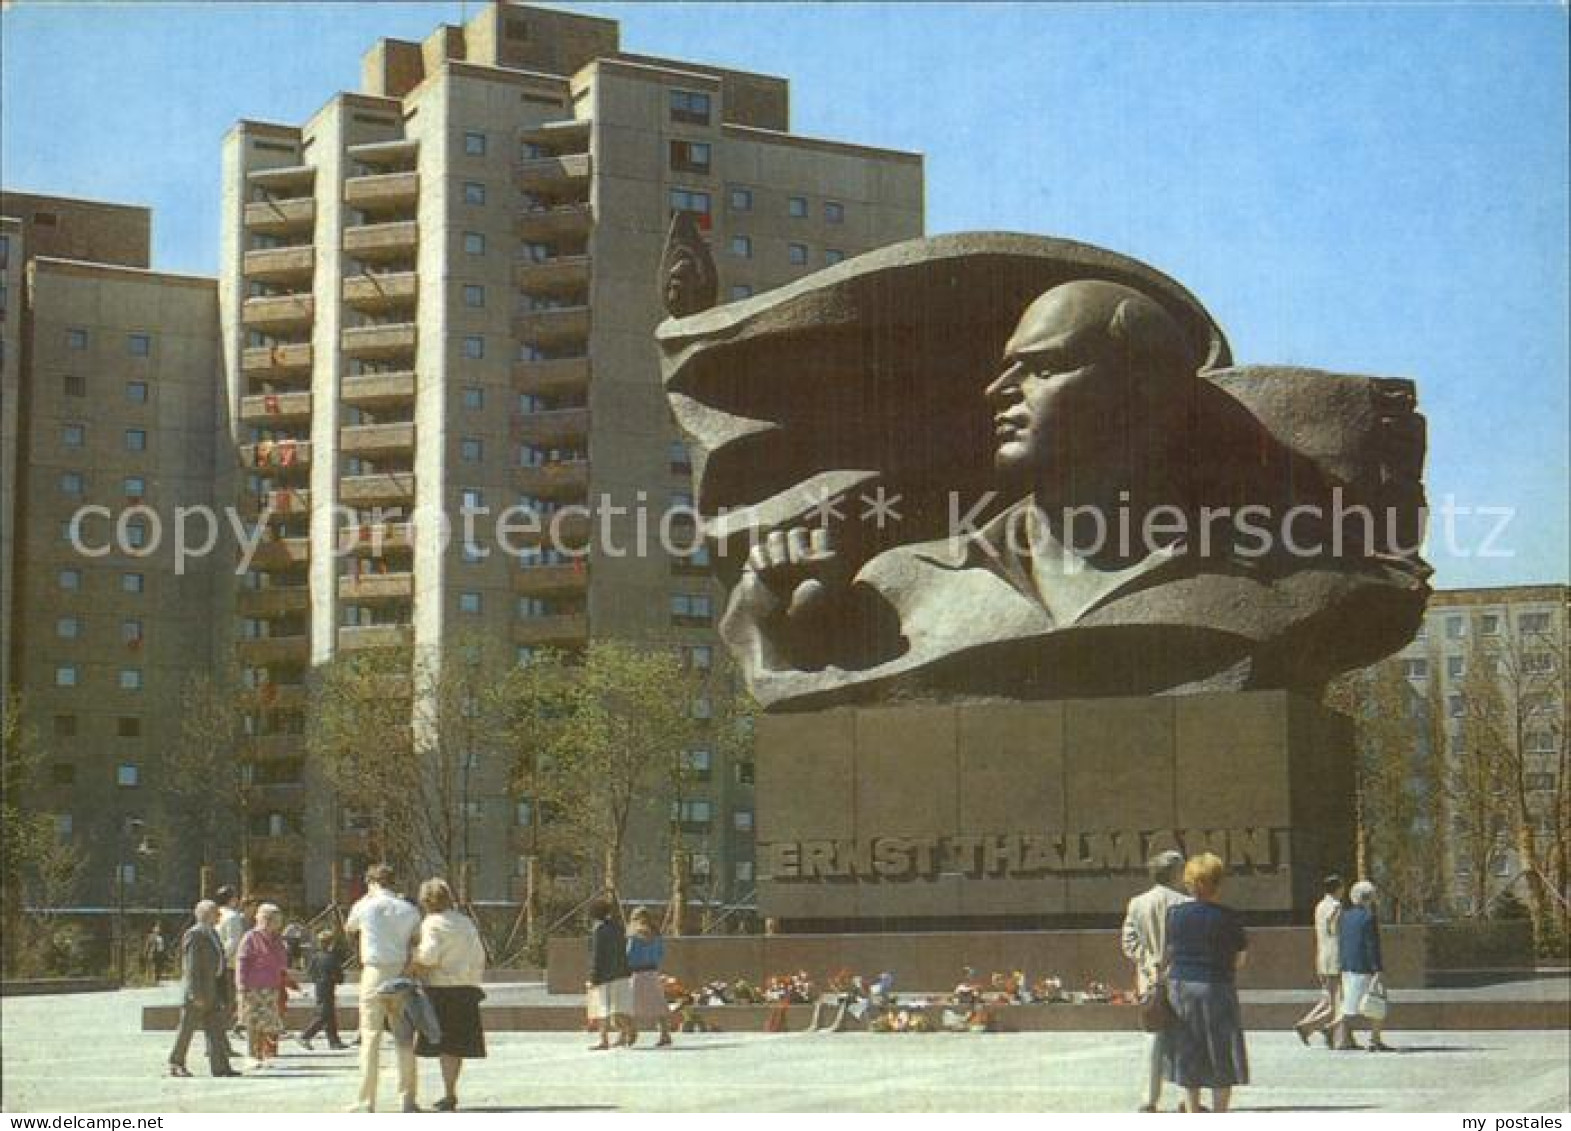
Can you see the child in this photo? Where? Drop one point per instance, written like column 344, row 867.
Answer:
column 325, row 971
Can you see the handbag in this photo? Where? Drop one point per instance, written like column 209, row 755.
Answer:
column 1156, row 1010
column 1375, row 1005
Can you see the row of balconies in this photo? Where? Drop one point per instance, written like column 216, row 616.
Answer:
column 278, row 601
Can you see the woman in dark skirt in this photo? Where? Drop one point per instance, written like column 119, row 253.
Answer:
column 1205, row 947
column 451, row 960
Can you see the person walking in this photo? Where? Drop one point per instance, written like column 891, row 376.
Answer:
column 450, row 959
column 385, row 924
column 231, row 929
column 261, row 975
column 1144, row 939
column 1206, row 945
column 155, row 949
column 610, row 980
column 202, row 980
column 294, row 939
column 1363, row 983
column 1324, row 1015
column 326, row 971
column 645, row 953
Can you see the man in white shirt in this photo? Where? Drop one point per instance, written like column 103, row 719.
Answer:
column 385, row 924
column 231, row 929
column 1328, row 967
column 1145, row 939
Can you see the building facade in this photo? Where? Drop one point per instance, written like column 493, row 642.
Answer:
column 109, row 409
column 437, row 298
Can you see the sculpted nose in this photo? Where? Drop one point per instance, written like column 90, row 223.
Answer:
column 1006, row 386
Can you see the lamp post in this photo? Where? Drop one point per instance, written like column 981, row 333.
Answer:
column 132, row 826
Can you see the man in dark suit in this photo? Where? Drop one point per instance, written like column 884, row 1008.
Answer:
column 203, row 970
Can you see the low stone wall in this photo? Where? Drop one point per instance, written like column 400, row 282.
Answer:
column 1279, row 957
column 40, row 987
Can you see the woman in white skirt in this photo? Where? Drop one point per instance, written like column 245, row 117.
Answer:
column 645, row 952
column 1363, row 984
column 610, row 983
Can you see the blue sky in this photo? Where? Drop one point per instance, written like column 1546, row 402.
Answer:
column 1377, row 189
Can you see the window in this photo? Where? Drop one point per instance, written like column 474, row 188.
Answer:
column 131, row 632
column 138, row 345
column 691, row 200
column 690, row 106
column 698, row 657
column 474, row 294
column 63, row 826
column 523, row 813
column 130, row 679
column 833, row 255
column 469, row 602
column 742, row 247
column 797, row 207
column 689, row 156
column 64, row 726
column 135, row 535
column 1539, row 781
column 132, row 583
column 474, row 243
column 128, row 775
column 744, row 871
column 71, row 483
column 474, row 397
column 1456, row 706
column 697, row 763
column 73, row 435
column 1533, row 622
column 474, row 192
column 690, row 607
column 798, row 253
column 74, row 385
column 699, row 865
column 474, row 346
column 68, row 628
column 70, row 580
column 744, row 773
column 1415, row 669
column 834, row 212
column 473, row 500
column 128, row 726
column 67, row 675
column 741, row 200
column 1456, row 628
column 1489, row 624
column 62, row 773
column 136, row 392
column 1538, row 663
column 742, row 820
column 694, row 811
column 135, row 440
column 76, row 339
column 134, row 487
column 703, row 708
column 1455, row 665
column 471, row 450
column 474, row 144
column 740, row 291
column 680, row 460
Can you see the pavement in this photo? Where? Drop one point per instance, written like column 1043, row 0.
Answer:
column 86, row 1053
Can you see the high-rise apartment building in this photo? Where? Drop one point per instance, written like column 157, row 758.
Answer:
column 108, row 395
column 438, row 296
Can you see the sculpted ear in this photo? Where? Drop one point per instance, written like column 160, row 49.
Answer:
column 1148, row 333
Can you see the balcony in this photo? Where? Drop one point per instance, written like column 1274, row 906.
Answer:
column 372, row 539
column 278, row 312
column 377, row 243
column 548, row 326
column 370, row 588
column 561, row 134
column 280, row 177
column 278, row 360
column 274, row 601
column 274, row 747
column 279, row 217
column 567, row 274
column 555, row 427
column 380, row 293
column 394, row 156
column 555, row 480
column 565, row 531
column 275, row 408
column 376, row 439
column 280, row 264
column 554, row 176
column 285, row 847
column 276, row 453
column 381, row 488
column 364, row 637
column 559, row 221
column 283, row 795
column 283, row 501
column 555, row 629
column 542, row 580
column 282, row 554
column 282, row 696
column 274, row 649
column 378, row 390
column 382, row 192
column 553, row 377
column 389, row 339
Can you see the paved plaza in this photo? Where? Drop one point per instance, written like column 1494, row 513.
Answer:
column 86, row 1053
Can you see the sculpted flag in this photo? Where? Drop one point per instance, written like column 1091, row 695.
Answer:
column 997, row 465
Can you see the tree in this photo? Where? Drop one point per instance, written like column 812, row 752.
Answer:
column 1476, row 777
column 205, row 782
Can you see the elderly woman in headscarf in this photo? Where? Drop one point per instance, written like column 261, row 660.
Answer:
column 1358, row 947
column 261, row 976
